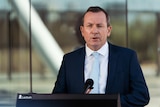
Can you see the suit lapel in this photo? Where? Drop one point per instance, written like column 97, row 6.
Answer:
column 80, row 69
column 111, row 67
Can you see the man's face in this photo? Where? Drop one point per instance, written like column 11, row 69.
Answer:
column 95, row 30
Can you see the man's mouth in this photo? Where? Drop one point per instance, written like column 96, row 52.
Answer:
column 95, row 38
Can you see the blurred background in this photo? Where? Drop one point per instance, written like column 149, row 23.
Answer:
column 35, row 34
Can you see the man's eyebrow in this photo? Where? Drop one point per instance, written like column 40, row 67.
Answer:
column 88, row 23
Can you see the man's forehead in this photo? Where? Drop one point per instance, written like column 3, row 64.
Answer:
column 95, row 16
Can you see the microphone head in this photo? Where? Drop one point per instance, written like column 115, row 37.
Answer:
column 88, row 85
column 89, row 82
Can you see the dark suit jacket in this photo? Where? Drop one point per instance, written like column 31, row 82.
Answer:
column 124, row 76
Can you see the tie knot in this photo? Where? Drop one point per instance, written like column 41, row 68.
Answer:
column 95, row 54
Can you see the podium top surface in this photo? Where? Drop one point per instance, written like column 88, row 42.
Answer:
column 66, row 96
column 67, row 100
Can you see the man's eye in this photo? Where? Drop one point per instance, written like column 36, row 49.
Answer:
column 99, row 26
column 89, row 25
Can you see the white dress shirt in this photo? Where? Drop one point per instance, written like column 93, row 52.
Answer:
column 104, row 52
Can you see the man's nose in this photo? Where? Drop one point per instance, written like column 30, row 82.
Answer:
column 94, row 29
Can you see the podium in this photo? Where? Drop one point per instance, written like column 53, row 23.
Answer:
column 67, row 100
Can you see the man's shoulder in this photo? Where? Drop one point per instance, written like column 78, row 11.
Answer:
column 122, row 49
column 76, row 51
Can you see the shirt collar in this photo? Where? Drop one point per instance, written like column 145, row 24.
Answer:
column 103, row 50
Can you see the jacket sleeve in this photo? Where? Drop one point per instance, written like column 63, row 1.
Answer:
column 139, row 93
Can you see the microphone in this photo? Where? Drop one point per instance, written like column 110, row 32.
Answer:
column 88, row 85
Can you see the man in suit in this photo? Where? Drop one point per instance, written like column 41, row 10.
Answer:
column 120, row 71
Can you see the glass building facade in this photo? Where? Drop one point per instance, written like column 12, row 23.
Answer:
column 34, row 35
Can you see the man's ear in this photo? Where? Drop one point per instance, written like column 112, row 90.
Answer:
column 81, row 29
column 109, row 29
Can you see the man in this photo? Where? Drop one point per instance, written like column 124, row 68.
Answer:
column 120, row 71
